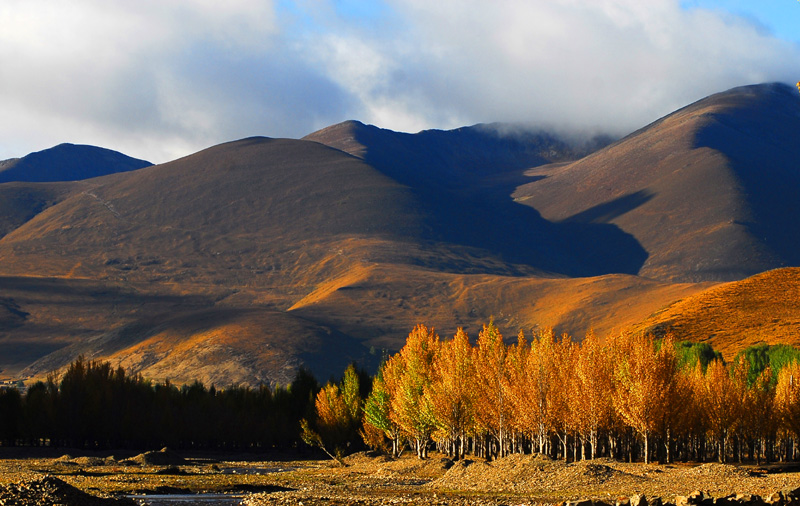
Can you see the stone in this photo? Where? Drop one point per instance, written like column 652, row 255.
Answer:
column 749, row 500
column 776, row 499
column 728, row 500
column 579, row 502
column 791, row 494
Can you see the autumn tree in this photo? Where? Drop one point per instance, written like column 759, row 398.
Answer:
column 492, row 409
column 787, row 398
column 338, row 410
column 721, row 402
column 759, row 420
column 378, row 425
column 517, row 389
column 450, row 394
column 592, row 391
column 561, row 401
column 645, row 382
column 411, row 371
column 541, row 381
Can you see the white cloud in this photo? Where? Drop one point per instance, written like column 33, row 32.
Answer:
column 619, row 63
column 158, row 79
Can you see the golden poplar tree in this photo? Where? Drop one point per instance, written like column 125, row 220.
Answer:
column 492, row 410
column 561, row 403
column 537, row 392
column 516, row 387
column 409, row 410
column 450, row 394
column 645, row 381
column 721, row 403
column 592, row 391
column 759, row 420
column 787, row 397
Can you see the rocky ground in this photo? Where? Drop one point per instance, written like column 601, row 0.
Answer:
column 97, row 480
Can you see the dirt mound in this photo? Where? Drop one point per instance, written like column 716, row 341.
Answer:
column 592, row 473
column 508, row 473
column 362, row 458
column 163, row 457
column 50, row 490
column 716, row 471
column 529, row 473
column 90, row 461
column 65, row 459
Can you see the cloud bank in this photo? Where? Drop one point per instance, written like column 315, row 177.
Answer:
column 158, row 79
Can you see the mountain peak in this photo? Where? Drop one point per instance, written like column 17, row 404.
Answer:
column 68, row 162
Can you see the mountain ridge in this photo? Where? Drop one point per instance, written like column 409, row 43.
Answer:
column 328, row 247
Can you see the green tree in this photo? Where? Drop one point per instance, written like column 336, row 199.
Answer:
column 690, row 354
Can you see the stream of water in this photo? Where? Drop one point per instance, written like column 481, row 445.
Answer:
column 188, row 499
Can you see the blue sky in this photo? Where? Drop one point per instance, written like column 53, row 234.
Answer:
column 780, row 17
column 160, row 79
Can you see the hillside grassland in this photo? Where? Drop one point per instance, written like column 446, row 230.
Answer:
column 733, row 316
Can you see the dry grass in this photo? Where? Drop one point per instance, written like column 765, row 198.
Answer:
column 761, row 309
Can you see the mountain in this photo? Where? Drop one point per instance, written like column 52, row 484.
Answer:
column 244, row 261
column 709, row 192
column 67, row 162
column 464, row 178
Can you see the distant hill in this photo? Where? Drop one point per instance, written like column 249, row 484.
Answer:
column 709, row 192
column 249, row 259
column 67, row 162
column 761, row 309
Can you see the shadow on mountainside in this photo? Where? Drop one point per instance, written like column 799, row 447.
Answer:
column 758, row 136
column 465, row 178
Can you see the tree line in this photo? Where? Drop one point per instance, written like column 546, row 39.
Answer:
column 628, row 397
column 631, row 397
column 97, row 406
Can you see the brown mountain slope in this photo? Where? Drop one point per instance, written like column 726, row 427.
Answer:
column 230, row 236
column 387, row 301
column 20, row 202
column 244, row 260
column 708, row 191
column 464, row 178
column 732, row 316
column 258, row 211
column 219, row 346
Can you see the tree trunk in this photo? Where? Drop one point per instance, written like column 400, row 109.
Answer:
column 669, row 446
column 646, row 447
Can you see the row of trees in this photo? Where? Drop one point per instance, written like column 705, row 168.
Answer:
column 97, row 406
column 628, row 397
